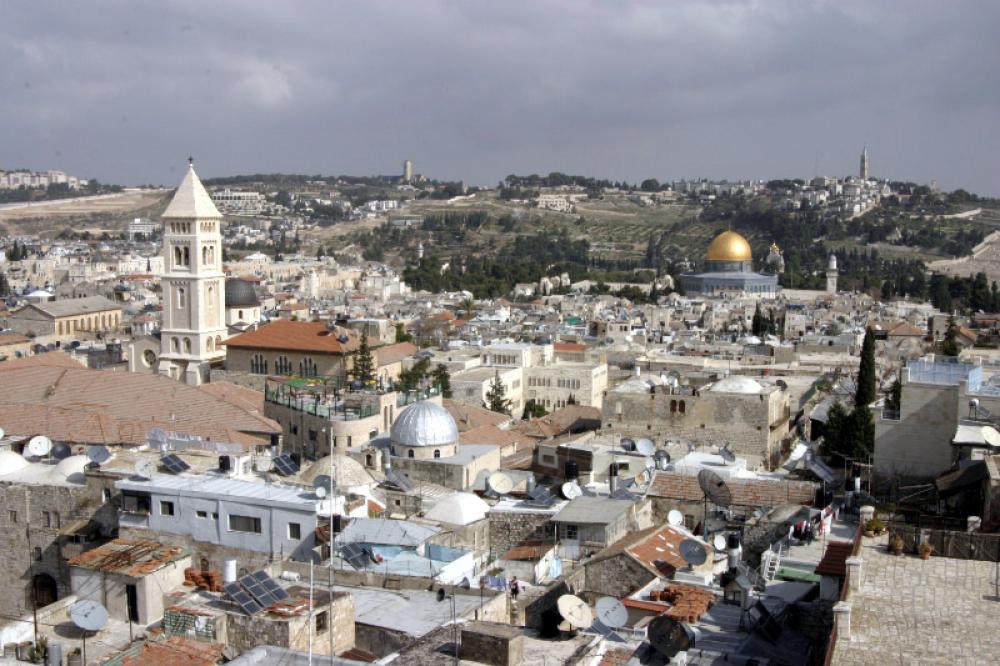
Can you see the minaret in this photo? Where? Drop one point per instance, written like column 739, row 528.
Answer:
column 193, row 284
column 864, row 163
column 831, row 275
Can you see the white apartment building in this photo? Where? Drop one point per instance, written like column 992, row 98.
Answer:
column 239, row 202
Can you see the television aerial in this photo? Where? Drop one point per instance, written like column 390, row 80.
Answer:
column 144, row 469
column 715, row 490
column 39, row 446
column 719, row 542
column 675, row 518
column 157, row 438
column 575, row 611
column 669, row 636
column 693, row 552
column 726, row 453
column 499, row 483
column 98, row 454
column 570, row 490
column 645, row 446
column 611, row 612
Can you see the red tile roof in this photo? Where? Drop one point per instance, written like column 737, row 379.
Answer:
column 395, row 353
column 746, row 492
column 302, row 336
column 569, row 347
column 640, row 604
column 176, row 651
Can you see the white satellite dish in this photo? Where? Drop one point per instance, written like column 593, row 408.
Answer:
column 611, row 612
column 320, row 491
column 98, row 454
column 575, row 610
column 2, row 433
column 39, row 446
column 675, row 517
column 719, row 542
column 500, row 483
column 570, row 490
column 88, row 615
column 145, row 469
column 991, row 436
column 645, row 446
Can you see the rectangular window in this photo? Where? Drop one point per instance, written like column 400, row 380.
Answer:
column 46, row 519
column 201, row 514
column 12, row 516
column 166, row 508
column 571, row 532
column 106, row 494
column 135, row 503
column 246, row 524
column 312, row 435
column 322, row 622
column 294, row 531
column 38, row 553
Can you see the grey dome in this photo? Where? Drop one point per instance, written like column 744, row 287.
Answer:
column 424, row 424
column 240, row 292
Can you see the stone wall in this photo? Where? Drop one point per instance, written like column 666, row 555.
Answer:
column 496, row 644
column 509, row 528
column 616, row 576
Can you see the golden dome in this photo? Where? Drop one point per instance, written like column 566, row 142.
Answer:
column 729, row 246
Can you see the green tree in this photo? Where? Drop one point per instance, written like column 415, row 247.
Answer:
column 402, row 335
column 949, row 346
column 833, row 433
column 758, row 324
column 860, row 433
column 865, row 393
column 533, row 410
column 364, row 361
column 496, row 397
column 442, row 379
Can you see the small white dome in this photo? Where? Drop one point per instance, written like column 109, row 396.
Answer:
column 348, row 472
column 737, row 384
column 459, row 509
column 70, row 469
column 11, row 463
column 424, row 424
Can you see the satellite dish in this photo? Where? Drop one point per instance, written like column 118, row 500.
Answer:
column 157, row 437
column 39, row 446
column 675, row 518
column 668, row 636
column 719, row 542
column 611, row 612
column 627, row 443
column 727, row 456
column 991, row 436
column 98, row 454
column 320, row 491
column 693, row 552
column 714, row 487
column 570, row 490
column 575, row 610
column 2, row 433
column 662, row 460
column 144, row 469
column 88, row 615
column 650, row 463
column 322, row 481
column 60, row 451
column 500, row 483
column 645, row 446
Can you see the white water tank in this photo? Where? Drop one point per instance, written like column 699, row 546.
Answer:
column 229, row 571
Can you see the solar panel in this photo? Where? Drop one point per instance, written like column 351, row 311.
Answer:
column 174, row 464
column 274, row 589
column 285, row 465
column 399, row 480
column 231, row 589
column 542, row 496
column 256, row 589
column 355, row 555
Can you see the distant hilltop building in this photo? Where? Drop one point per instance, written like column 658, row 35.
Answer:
column 12, row 180
column 237, row 202
column 863, row 172
column 729, row 268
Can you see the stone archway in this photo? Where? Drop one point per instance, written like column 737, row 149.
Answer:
column 44, row 590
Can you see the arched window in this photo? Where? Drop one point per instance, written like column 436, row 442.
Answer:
column 437, row 453
column 181, row 297
column 673, row 406
column 307, row 367
column 218, row 342
column 204, row 255
column 208, row 344
column 187, row 345
column 282, row 365
column 409, row 454
column 175, row 344
column 239, row 315
column 258, row 364
column 178, row 256
column 187, row 256
column 683, row 406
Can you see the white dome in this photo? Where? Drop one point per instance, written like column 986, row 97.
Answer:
column 459, row 509
column 70, row 469
column 424, row 424
column 737, row 384
column 348, row 472
column 11, row 462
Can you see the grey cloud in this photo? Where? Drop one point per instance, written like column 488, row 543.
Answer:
column 123, row 91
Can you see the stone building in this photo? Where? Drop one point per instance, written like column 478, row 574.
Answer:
column 66, row 319
column 729, row 268
column 303, row 348
column 751, row 415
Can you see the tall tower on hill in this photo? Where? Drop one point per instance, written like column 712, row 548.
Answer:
column 193, row 284
column 864, row 164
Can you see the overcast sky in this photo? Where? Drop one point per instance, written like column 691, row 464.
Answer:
column 125, row 91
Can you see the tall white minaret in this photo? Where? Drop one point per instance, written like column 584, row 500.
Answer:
column 193, row 284
column 864, row 163
column 831, row 275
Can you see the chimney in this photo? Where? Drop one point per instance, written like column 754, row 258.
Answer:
column 842, row 620
column 732, row 551
column 613, row 478
column 854, row 571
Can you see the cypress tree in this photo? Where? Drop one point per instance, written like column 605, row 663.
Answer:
column 865, row 394
column 364, row 363
column 496, row 397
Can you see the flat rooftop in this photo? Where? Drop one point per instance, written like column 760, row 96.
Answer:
column 214, row 487
column 914, row 611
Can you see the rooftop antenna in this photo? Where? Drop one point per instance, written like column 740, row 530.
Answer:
column 726, row 453
column 715, row 489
